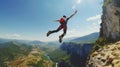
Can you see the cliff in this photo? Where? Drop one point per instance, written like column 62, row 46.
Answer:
column 108, row 53
column 80, row 49
column 78, row 53
column 110, row 26
column 108, row 56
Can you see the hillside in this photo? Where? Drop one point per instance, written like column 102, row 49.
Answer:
column 12, row 50
column 87, row 38
column 17, row 54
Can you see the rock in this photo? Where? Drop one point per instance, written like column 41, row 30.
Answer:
column 110, row 26
column 78, row 53
column 107, row 57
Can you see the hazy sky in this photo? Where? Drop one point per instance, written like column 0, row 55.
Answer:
column 32, row 19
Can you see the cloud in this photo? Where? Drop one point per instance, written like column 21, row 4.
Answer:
column 99, row 21
column 78, row 1
column 96, row 17
column 13, row 35
column 72, row 31
column 95, row 27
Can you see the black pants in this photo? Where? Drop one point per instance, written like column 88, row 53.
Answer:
column 59, row 28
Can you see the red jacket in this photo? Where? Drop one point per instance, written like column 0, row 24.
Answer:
column 62, row 20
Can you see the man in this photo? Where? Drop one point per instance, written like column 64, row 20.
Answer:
column 63, row 25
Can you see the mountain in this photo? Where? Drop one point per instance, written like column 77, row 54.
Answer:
column 12, row 50
column 69, row 39
column 106, row 51
column 36, row 42
column 86, row 39
column 15, row 54
column 2, row 40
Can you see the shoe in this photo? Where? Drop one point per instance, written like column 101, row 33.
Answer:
column 49, row 32
column 60, row 39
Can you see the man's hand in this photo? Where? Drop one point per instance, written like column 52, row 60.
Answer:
column 75, row 11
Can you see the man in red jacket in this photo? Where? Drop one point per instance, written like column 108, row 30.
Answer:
column 63, row 25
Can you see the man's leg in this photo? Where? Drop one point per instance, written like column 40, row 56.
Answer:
column 64, row 33
column 53, row 31
column 50, row 32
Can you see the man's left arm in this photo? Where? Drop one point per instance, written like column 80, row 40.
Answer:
column 56, row 20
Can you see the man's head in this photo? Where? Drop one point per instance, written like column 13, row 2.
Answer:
column 64, row 16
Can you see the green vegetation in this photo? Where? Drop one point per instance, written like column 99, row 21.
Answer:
column 12, row 50
column 40, row 64
column 14, row 53
column 59, row 55
column 50, row 47
column 43, row 62
column 100, row 43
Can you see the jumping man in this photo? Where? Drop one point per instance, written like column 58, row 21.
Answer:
column 63, row 25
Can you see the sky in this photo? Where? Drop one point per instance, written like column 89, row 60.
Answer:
column 32, row 19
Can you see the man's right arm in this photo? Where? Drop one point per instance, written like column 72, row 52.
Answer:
column 72, row 14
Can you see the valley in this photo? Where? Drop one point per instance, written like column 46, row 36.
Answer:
column 20, row 53
column 31, row 60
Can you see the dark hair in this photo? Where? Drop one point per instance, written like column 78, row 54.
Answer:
column 64, row 16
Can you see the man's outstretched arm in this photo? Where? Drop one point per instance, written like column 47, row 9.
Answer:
column 72, row 14
column 56, row 20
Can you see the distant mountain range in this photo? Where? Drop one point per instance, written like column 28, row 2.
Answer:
column 87, row 38
column 36, row 42
column 2, row 40
column 84, row 39
column 47, row 45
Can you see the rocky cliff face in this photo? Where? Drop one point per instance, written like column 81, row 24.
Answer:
column 108, row 55
column 110, row 26
column 78, row 53
column 80, row 49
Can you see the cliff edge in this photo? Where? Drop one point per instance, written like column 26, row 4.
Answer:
column 110, row 26
column 107, row 52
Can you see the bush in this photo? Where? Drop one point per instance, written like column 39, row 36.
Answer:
column 99, row 43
